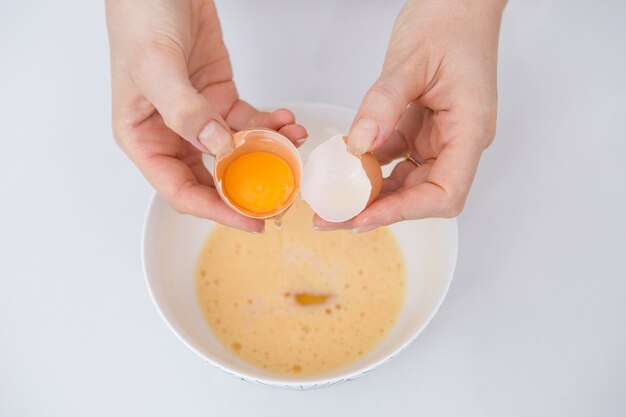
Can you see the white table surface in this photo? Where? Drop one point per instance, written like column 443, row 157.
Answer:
column 535, row 322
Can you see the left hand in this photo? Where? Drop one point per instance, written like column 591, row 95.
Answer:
column 174, row 98
column 435, row 102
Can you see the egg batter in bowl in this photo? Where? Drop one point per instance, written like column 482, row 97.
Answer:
column 294, row 301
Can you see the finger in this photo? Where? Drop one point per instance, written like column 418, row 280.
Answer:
column 274, row 120
column 190, row 156
column 296, row 133
column 202, row 201
column 244, row 116
column 199, row 171
column 401, row 140
column 379, row 113
column 320, row 224
column 173, row 179
column 398, row 176
column 162, row 77
column 392, row 149
column 441, row 194
column 390, row 184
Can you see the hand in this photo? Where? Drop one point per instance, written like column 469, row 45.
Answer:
column 435, row 102
column 174, row 98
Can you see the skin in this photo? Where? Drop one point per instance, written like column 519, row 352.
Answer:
column 434, row 102
column 172, row 77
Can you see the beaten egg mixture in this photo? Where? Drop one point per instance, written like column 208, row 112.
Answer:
column 295, row 301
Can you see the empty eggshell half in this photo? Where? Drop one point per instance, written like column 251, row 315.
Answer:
column 338, row 185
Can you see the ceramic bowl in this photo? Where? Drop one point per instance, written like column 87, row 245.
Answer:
column 172, row 241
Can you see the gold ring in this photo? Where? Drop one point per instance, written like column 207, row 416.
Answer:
column 410, row 158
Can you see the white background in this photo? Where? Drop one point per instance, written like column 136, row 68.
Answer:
column 534, row 324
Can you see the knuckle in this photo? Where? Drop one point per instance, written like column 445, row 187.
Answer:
column 179, row 112
column 118, row 132
column 385, row 91
column 177, row 115
column 479, row 124
column 386, row 97
column 484, row 114
column 177, row 206
column 146, row 51
column 491, row 132
column 121, row 134
column 179, row 200
column 488, row 120
column 453, row 206
column 127, row 138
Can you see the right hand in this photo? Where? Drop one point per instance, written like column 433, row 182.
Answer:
column 174, row 98
column 435, row 102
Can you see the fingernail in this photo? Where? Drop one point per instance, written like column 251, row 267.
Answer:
column 300, row 141
column 362, row 136
column 366, row 228
column 258, row 232
column 216, row 139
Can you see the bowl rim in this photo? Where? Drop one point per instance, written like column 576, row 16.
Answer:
column 290, row 383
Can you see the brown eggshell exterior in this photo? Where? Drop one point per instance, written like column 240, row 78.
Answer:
column 375, row 174
column 371, row 166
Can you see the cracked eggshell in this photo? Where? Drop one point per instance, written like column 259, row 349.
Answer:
column 337, row 184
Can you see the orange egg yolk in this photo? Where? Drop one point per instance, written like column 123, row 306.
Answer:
column 259, row 182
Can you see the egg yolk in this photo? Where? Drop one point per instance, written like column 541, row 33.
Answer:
column 259, row 182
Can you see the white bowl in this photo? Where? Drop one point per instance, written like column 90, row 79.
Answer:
column 172, row 241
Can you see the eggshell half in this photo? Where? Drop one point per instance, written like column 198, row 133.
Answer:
column 338, row 185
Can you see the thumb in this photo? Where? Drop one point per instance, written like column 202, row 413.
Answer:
column 379, row 113
column 162, row 78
